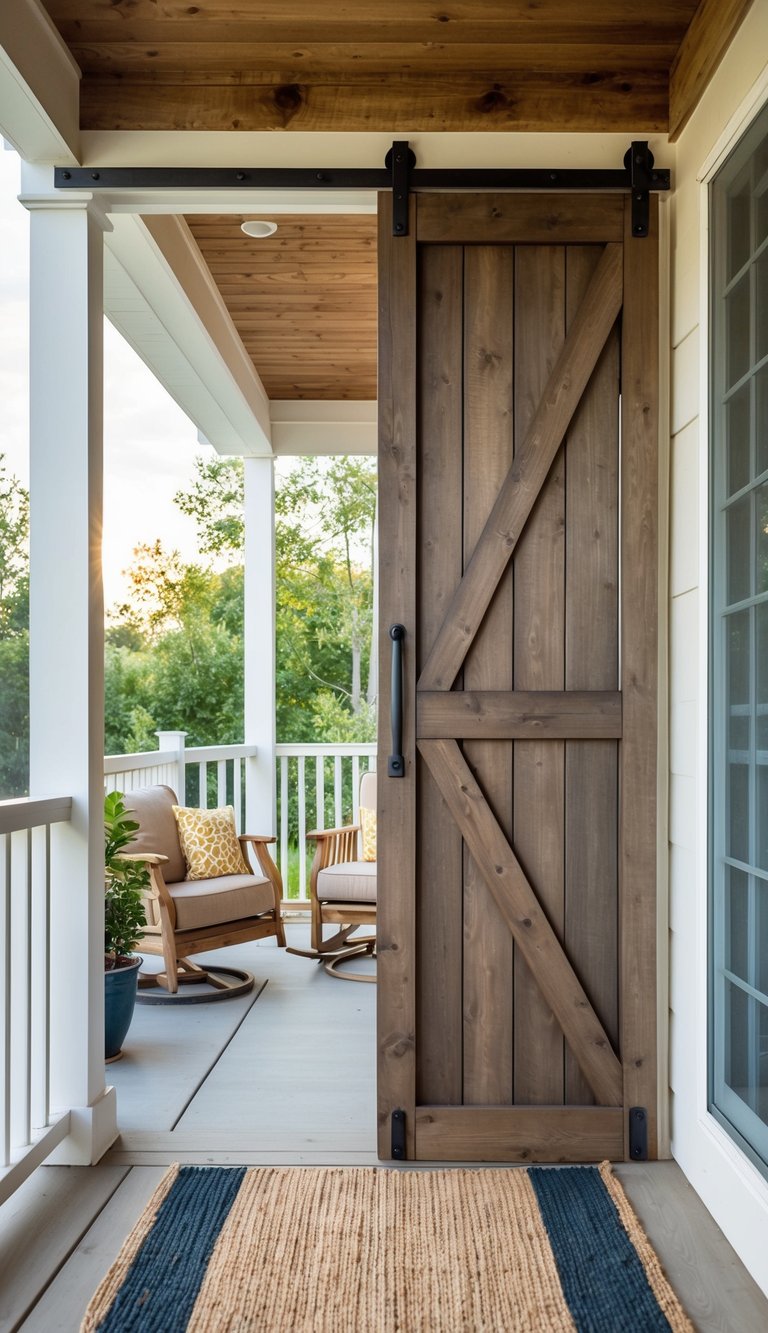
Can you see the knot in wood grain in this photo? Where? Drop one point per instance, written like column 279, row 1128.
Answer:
column 288, row 97
column 494, row 100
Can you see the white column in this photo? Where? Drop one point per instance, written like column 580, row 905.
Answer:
column 259, row 634
column 67, row 640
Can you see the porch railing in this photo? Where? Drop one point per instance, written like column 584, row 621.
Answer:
column 205, row 776
column 29, row 1128
column 317, row 786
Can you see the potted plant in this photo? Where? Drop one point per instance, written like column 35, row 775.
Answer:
column 125, row 886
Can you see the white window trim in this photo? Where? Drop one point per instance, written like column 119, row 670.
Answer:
column 733, row 1189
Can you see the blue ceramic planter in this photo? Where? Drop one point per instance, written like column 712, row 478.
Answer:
column 120, row 987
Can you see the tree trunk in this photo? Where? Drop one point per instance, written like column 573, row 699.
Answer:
column 357, row 653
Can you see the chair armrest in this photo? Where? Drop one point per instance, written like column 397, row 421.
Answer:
column 333, row 846
column 267, row 865
column 318, row 835
column 150, row 858
column 157, row 886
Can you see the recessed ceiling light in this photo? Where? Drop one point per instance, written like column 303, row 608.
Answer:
column 258, row 228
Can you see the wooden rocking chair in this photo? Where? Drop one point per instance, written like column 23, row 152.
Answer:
column 193, row 916
column 343, row 894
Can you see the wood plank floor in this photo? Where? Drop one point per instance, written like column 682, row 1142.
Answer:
column 286, row 1078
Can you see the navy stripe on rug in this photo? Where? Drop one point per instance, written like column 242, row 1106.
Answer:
column 603, row 1280
column 161, row 1285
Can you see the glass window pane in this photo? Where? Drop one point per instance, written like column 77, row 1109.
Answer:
column 760, row 176
column 737, row 844
column 737, row 439
column 737, row 331
column 761, row 831
column 738, row 539
column 737, row 1038
column 737, row 922
column 761, row 672
column 761, row 421
column 739, row 205
column 761, row 307
column 739, row 657
column 761, row 936
column 761, row 538
column 747, row 1058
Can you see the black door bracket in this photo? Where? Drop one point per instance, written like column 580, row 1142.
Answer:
column 400, row 161
column 638, row 1134
column 639, row 162
column 398, row 1136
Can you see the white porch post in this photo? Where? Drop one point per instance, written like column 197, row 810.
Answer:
column 259, row 633
column 176, row 740
column 67, row 641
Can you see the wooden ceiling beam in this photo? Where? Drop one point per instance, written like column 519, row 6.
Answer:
column 711, row 32
column 525, row 102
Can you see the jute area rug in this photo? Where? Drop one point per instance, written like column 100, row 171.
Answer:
column 368, row 1250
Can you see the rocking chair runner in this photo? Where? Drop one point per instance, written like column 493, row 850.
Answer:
column 192, row 916
column 343, row 893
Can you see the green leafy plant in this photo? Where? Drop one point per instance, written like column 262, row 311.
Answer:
column 126, row 883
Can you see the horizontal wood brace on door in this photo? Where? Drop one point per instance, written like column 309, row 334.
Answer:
column 399, row 174
column 519, row 1133
column 518, row 715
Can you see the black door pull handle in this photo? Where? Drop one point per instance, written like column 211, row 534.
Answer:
column 396, row 762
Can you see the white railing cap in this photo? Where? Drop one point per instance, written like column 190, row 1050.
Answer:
column 25, row 813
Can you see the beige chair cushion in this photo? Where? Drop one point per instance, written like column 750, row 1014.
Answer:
column 348, row 882
column 152, row 808
column 368, row 790
column 209, row 842
column 214, row 902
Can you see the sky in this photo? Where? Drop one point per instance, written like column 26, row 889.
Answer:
column 149, row 444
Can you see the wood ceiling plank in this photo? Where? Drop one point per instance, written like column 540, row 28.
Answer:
column 294, row 60
column 303, row 301
column 711, row 32
column 305, row 21
column 526, row 102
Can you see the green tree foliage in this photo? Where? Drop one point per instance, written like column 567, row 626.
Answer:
column 174, row 658
column 323, row 557
column 175, row 644
column 14, row 635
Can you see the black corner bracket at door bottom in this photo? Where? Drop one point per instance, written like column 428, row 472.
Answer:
column 398, row 1136
column 399, row 174
column 638, row 1134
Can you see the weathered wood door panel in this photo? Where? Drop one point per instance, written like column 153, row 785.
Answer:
column 518, row 362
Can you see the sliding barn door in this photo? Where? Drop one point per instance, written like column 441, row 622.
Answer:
column 518, row 548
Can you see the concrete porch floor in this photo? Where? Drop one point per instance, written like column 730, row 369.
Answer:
column 287, row 1078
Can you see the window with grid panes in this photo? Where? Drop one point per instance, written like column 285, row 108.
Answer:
column 739, row 641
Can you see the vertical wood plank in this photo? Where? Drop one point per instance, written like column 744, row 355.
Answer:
column 396, row 925
column 439, row 920
column 639, row 668
column 539, row 571
column 488, row 453
column 592, row 647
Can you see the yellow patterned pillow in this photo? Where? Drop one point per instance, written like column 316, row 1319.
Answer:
column 368, row 824
column 209, row 842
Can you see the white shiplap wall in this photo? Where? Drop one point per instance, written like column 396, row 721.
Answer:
column 735, row 1193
